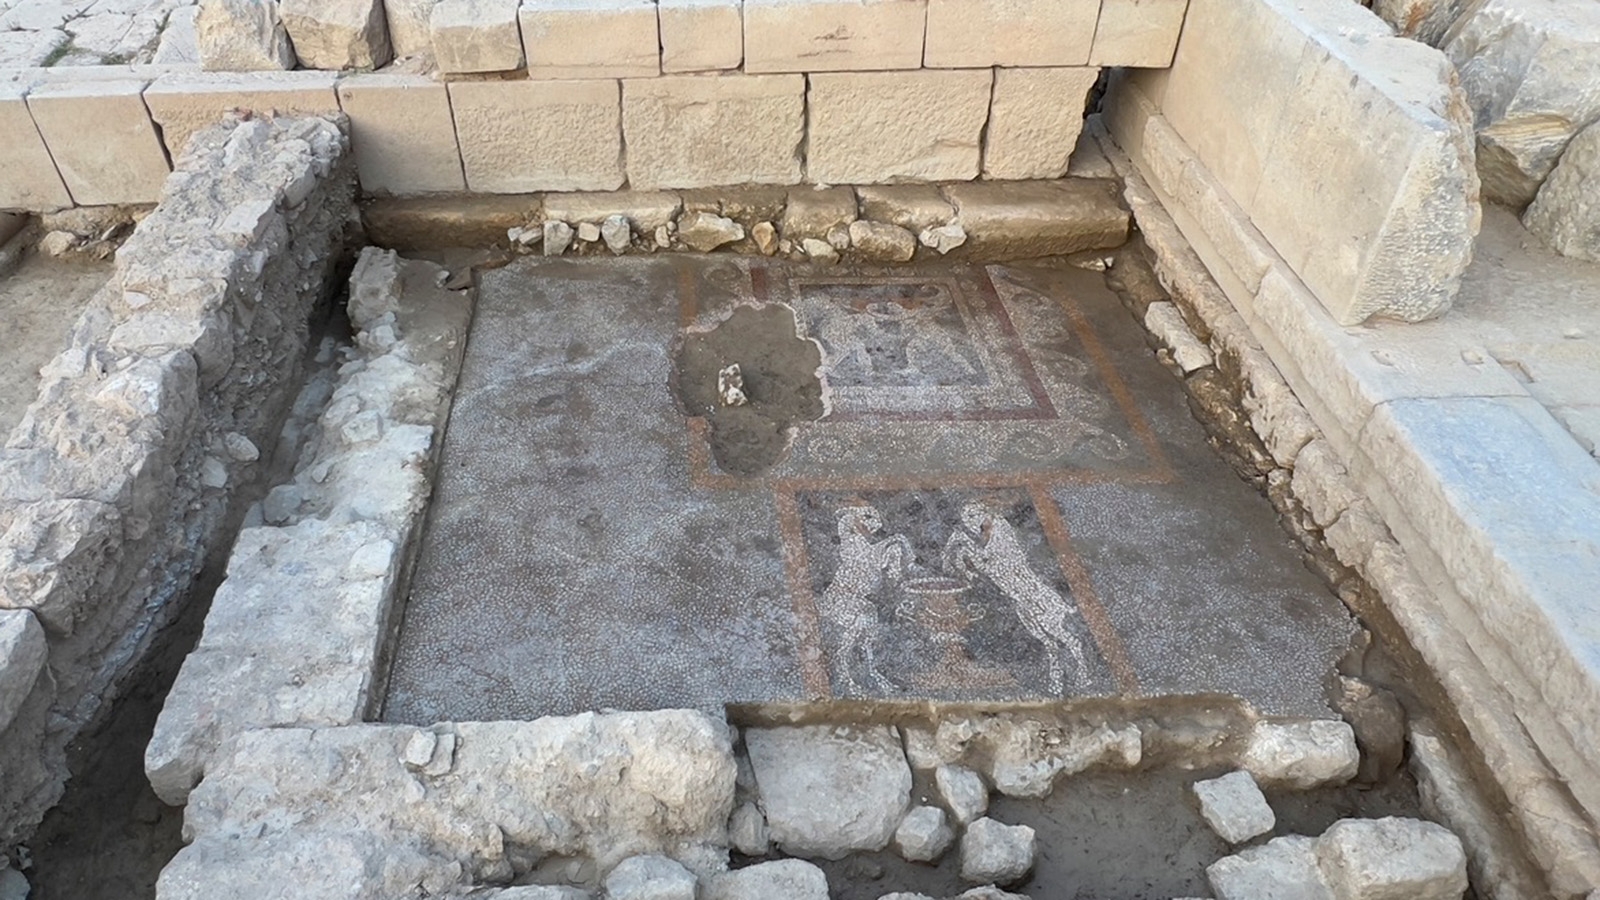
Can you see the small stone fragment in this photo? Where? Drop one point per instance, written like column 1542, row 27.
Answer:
column 995, row 853
column 814, row 212
column 213, row 474
column 706, row 232
column 820, row 251
column 989, row 892
column 419, row 749
column 879, row 242
column 663, row 236
column 1302, row 755
column 240, row 447
column 1392, row 859
column 784, row 879
column 557, row 237
column 1283, row 867
column 650, row 878
column 924, row 835
column 944, row 238
column 839, row 238
column 747, row 830
column 766, row 238
column 1164, row 321
column 730, row 386
column 616, row 233
column 58, row 243
column 963, row 791
column 1234, row 807
column 588, row 232
column 281, row 504
column 1379, row 723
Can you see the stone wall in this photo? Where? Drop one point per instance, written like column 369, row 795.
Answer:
column 125, row 476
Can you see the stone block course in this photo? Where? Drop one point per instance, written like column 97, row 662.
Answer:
column 1035, row 118
column 183, row 103
column 980, row 33
column 476, row 36
column 28, row 177
column 408, row 23
column 882, row 127
column 337, row 34
column 402, row 134
column 1028, row 219
column 567, row 39
column 689, row 131
column 521, row 136
column 101, row 139
column 833, row 35
column 701, row 35
column 1141, row 33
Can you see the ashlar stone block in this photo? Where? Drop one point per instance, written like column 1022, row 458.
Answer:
column 1034, row 121
column 242, row 36
column 833, row 35
column 590, row 38
column 522, row 136
column 28, row 177
column 402, row 134
column 476, row 36
column 701, row 35
column 337, row 34
column 883, row 127
column 966, row 34
column 409, row 26
column 1142, row 33
column 687, row 131
column 183, row 103
column 101, row 138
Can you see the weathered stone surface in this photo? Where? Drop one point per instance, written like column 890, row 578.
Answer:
column 995, row 853
column 520, row 136
column 1379, row 723
column 242, row 36
column 591, row 39
column 402, row 134
column 420, row 222
column 813, row 213
column 1137, row 32
column 408, row 24
column 943, row 238
column 22, row 656
column 1566, row 214
column 1024, row 220
column 880, row 242
column 832, row 35
column 337, row 34
column 700, row 131
column 963, row 791
column 28, row 177
column 101, row 165
column 1423, row 20
column 180, row 40
column 1283, row 868
column 874, row 128
column 829, row 791
column 558, row 236
column 475, row 36
column 910, row 206
column 784, row 879
column 1034, row 121
column 646, row 210
column 1023, row 757
column 184, row 103
column 701, row 35
column 1234, row 807
column 967, row 34
column 923, row 835
column 705, row 232
column 650, row 878
column 1302, row 754
column 1392, row 859
column 1531, row 72
column 1164, row 321
column 819, row 251
column 747, row 831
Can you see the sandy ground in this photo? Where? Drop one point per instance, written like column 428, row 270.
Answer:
column 38, row 304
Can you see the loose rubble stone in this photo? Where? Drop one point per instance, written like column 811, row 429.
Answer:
column 22, row 656
column 644, row 210
column 663, row 236
column 1302, row 755
column 924, row 835
column 1379, row 723
column 944, row 238
column 242, row 36
column 879, row 242
column 765, row 237
column 588, row 232
column 1283, row 867
column 1566, row 213
column 747, row 831
column 616, row 232
column 337, row 34
column 558, row 237
column 1392, row 859
column 996, row 853
column 57, row 243
column 914, row 207
column 1234, row 807
column 706, row 232
column 813, row 213
column 989, row 892
column 963, row 791
column 1166, row 322
column 650, row 878
column 475, row 36
column 1026, row 761
column 784, row 879
column 830, row 790
column 839, row 238
column 820, row 251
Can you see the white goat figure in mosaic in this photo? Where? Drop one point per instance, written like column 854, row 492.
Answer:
column 847, row 605
column 986, row 544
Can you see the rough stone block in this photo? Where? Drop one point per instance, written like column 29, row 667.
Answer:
column 687, row 131
column 1531, row 73
column 1283, row 867
column 1392, row 859
column 28, row 177
column 923, row 835
column 1137, row 32
column 996, row 853
column 475, row 36
column 183, row 103
column 830, row 791
column 913, row 207
column 1035, row 118
column 22, row 657
column 409, row 26
column 1234, row 807
column 337, row 34
column 650, row 878
column 521, row 136
column 701, row 35
column 815, row 213
column 1566, row 214
column 591, row 38
column 242, row 36
column 789, row 879
column 645, row 210
column 1422, row 20
column 874, row 128
column 102, row 140
column 401, row 134
column 1302, row 755
column 970, row 34
column 833, row 35
column 1025, row 220
column 963, row 791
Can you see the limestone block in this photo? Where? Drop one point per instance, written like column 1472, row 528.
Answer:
column 183, row 103
column 923, row 835
column 880, row 127
column 689, row 131
column 1302, row 755
column 22, row 657
column 28, row 177
column 590, row 38
column 337, row 34
column 963, row 791
column 401, row 133
column 409, row 24
column 788, row 879
column 1391, row 859
column 1034, row 121
column 476, row 36
column 1030, row 219
column 913, row 207
column 971, row 34
column 180, row 40
column 242, row 36
column 645, row 210
column 1566, row 214
column 1531, row 72
column 1282, row 867
column 701, row 35
column 1137, row 32
column 102, row 140
column 814, row 213
column 521, row 136
column 996, row 853
column 1234, row 807
column 829, row 791
column 882, row 242
column 833, row 35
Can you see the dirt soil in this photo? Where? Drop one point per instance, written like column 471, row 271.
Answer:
column 39, row 302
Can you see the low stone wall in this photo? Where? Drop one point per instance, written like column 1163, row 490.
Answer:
column 122, row 480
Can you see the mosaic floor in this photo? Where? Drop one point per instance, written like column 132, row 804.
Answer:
column 1006, row 498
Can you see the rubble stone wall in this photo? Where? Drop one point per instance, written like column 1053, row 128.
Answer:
column 128, row 472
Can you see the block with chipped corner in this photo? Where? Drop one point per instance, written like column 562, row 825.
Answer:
column 1566, row 214
column 1140, row 33
column 242, row 36
column 183, row 103
column 401, row 133
column 1035, row 118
